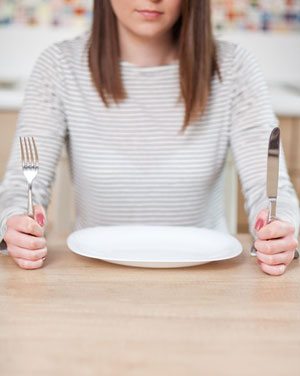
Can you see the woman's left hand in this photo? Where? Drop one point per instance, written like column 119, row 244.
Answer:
column 276, row 243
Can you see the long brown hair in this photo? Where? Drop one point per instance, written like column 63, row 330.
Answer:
column 197, row 55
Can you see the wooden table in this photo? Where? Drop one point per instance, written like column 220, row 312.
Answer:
column 81, row 316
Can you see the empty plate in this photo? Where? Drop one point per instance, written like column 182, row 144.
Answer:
column 154, row 246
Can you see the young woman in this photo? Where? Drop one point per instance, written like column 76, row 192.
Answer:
column 148, row 104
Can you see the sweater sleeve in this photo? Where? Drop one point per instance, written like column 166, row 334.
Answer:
column 252, row 122
column 41, row 116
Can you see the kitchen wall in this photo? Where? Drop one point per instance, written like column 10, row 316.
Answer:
column 31, row 25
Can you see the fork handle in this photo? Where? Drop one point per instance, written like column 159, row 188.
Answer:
column 30, row 206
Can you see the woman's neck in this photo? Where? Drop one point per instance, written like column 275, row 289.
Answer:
column 147, row 52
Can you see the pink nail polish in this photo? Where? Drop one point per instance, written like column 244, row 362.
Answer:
column 44, row 259
column 259, row 224
column 260, row 262
column 40, row 219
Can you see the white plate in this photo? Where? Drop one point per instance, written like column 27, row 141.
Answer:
column 154, row 246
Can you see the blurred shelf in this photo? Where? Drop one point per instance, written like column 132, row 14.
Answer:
column 285, row 100
column 277, row 52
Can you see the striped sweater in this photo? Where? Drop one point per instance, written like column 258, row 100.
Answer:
column 128, row 162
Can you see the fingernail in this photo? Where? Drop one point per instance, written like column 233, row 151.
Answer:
column 40, row 219
column 44, row 259
column 259, row 224
column 260, row 262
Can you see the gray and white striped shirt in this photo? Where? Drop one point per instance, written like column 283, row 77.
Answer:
column 128, row 162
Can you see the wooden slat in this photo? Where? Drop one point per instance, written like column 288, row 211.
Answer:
column 7, row 129
column 286, row 134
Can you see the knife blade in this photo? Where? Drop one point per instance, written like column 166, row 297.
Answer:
column 272, row 178
column 273, row 171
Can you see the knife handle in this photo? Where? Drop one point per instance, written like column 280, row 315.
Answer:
column 272, row 217
column 253, row 252
column 272, row 209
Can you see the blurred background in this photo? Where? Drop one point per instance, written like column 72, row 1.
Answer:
column 269, row 28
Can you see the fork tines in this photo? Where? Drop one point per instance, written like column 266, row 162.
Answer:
column 29, row 152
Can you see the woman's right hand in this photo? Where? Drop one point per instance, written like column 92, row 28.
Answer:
column 25, row 239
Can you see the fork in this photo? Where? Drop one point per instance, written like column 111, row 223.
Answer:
column 30, row 166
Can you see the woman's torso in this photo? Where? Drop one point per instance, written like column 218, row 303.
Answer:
column 129, row 163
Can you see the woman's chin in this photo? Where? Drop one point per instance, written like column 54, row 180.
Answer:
column 149, row 33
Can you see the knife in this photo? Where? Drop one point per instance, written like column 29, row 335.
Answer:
column 272, row 178
column 272, row 172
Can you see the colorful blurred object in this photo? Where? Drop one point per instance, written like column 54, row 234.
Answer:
column 266, row 15
column 67, row 13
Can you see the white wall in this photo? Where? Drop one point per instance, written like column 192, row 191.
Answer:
column 278, row 53
column 20, row 46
